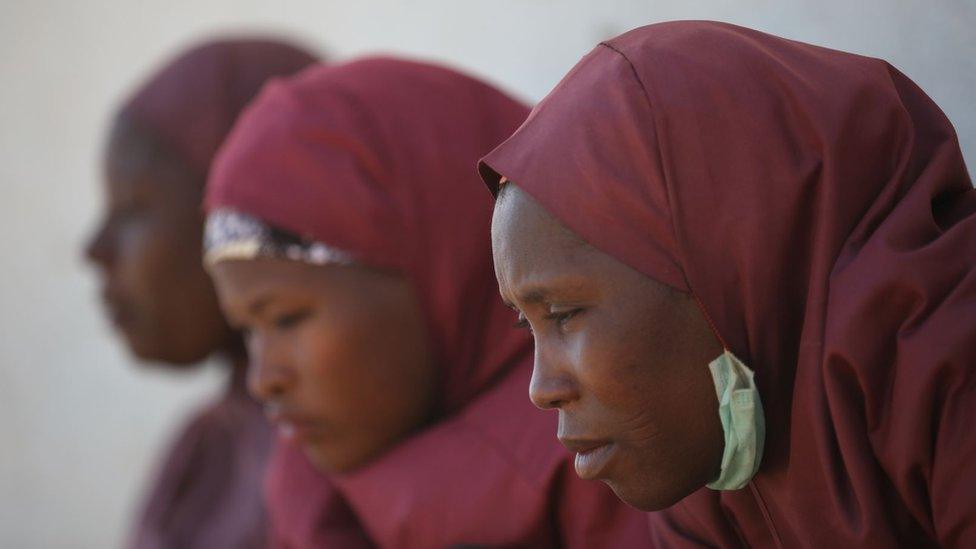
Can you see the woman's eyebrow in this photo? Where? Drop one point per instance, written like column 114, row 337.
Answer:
column 533, row 295
column 257, row 306
column 527, row 297
column 546, row 289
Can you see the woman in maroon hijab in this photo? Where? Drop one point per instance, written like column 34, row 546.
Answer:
column 148, row 249
column 346, row 236
column 697, row 190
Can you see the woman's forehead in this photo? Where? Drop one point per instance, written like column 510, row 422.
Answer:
column 520, row 222
column 533, row 251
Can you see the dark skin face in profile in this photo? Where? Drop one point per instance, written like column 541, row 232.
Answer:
column 623, row 358
column 147, row 249
column 339, row 354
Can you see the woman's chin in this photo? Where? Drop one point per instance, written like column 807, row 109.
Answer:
column 150, row 350
column 647, row 498
column 333, row 461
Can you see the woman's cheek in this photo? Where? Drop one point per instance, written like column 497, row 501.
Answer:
column 331, row 350
column 597, row 355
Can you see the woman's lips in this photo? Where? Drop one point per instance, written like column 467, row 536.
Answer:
column 297, row 432
column 120, row 315
column 118, row 309
column 592, row 457
column 295, row 428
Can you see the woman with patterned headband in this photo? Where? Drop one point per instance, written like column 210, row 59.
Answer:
column 348, row 237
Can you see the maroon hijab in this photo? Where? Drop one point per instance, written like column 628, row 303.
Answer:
column 375, row 158
column 192, row 102
column 207, row 492
column 817, row 205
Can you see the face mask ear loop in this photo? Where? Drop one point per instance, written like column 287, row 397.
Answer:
column 752, row 483
column 708, row 318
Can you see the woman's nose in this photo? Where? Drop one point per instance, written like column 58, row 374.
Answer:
column 98, row 249
column 269, row 376
column 552, row 385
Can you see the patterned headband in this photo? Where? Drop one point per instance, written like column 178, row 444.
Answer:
column 230, row 234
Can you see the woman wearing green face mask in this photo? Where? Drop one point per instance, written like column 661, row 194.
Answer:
column 695, row 193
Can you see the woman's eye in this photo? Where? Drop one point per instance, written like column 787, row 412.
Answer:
column 562, row 317
column 523, row 323
column 122, row 216
column 246, row 333
column 291, row 320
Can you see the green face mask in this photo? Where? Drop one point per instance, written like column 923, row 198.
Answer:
column 742, row 418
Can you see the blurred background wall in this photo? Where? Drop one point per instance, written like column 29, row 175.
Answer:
column 79, row 423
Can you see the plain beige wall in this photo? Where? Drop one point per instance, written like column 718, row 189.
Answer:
column 79, row 425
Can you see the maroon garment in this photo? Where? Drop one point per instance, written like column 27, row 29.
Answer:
column 375, row 158
column 192, row 102
column 817, row 205
column 208, row 493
